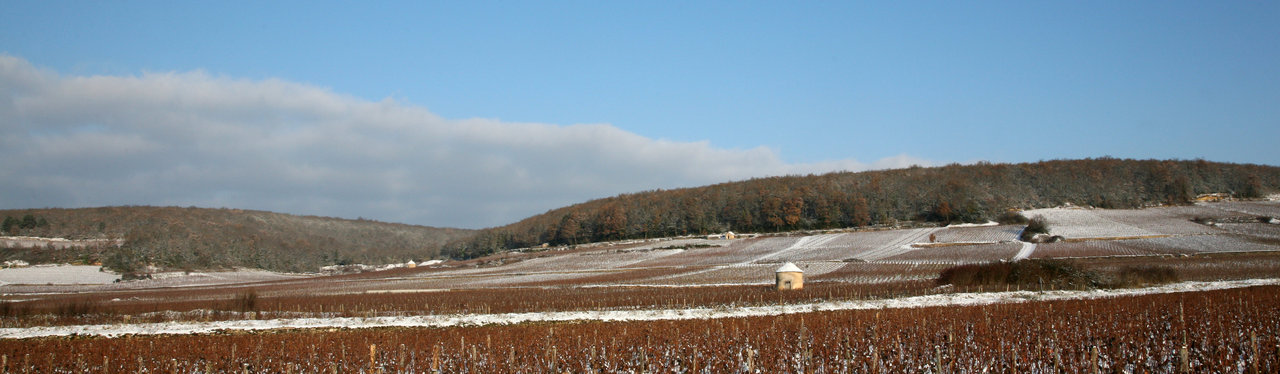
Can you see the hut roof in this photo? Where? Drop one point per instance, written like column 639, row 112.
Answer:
column 789, row 268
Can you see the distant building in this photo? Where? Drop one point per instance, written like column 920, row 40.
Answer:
column 1209, row 197
column 789, row 277
column 728, row 235
column 16, row 264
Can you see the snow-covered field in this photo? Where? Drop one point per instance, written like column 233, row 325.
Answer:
column 1260, row 230
column 84, row 278
column 57, row 243
column 979, row 234
column 1175, row 245
column 1255, row 208
column 961, row 299
column 57, row 274
column 959, row 254
column 1075, row 223
column 212, row 278
column 1145, row 232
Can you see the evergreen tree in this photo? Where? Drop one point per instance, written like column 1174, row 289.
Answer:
column 10, row 224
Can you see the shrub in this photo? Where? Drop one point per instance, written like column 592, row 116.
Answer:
column 12, row 309
column 1048, row 274
column 246, row 302
column 976, row 274
column 1035, row 225
column 1011, row 217
column 1139, row 276
column 75, row 308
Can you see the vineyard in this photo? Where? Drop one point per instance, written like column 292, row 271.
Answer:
column 1232, row 330
column 660, row 272
column 1223, row 330
column 835, row 256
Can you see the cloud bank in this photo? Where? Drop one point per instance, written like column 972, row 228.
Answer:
column 196, row 139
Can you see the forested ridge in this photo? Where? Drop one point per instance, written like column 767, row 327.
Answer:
column 953, row 193
column 201, row 238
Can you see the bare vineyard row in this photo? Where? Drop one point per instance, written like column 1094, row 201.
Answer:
column 1216, row 331
column 347, row 297
column 102, row 309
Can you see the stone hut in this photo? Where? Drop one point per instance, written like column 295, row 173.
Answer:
column 789, row 277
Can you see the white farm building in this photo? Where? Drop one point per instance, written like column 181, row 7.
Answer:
column 789, row 277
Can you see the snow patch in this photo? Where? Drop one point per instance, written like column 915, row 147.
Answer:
column 1025, row 252
column 57, row 274
column 788, row 268
column 989, row 223
column 209, row 278
column 59, row 243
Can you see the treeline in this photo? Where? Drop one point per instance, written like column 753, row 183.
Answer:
column 199, row 238
column 953, row 193
column 15, row 226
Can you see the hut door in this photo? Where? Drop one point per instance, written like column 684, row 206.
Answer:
column 786, row 285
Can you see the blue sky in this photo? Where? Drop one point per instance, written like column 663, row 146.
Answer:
column 762, row 88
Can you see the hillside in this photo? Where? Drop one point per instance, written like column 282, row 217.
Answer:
column 199, row 238
column 953, row 193
column 1217, row 258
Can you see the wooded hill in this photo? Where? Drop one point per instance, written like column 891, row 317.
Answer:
column 967, row 193
column 199, row 238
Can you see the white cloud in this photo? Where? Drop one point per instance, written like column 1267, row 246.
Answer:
column 196, row 139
